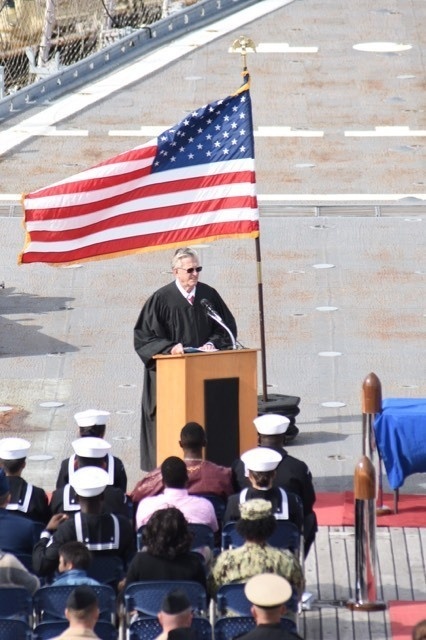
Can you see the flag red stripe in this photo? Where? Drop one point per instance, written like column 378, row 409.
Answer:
column 242, row 228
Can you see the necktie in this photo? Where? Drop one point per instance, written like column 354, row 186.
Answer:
column 191, row 299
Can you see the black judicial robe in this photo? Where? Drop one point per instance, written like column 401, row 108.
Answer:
column 166, row 319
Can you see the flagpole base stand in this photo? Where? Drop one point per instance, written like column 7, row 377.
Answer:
column 366, row 606
column 287, row 406
column 383, row 510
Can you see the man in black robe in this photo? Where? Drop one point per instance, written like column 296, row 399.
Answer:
column 172, row 320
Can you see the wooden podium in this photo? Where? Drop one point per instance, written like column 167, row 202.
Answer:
column 217, row 389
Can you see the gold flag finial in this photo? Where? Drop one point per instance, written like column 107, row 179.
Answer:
column 243, row 45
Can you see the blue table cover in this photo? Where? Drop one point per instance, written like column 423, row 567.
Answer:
column 400, row 431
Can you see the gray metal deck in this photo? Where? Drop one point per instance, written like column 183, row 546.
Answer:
column 354, row 204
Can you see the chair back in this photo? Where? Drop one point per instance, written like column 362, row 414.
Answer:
column 16, row 602
column 14, row 629
column 47, row 630
column 49, row 602
column 146, row 596
column 203, row 536
column 229, row 628
column 285, row 536
column 150, row 629
column 231, row 597
column 106, row 569
column 234, row 626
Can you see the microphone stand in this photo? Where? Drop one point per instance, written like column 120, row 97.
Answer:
column 219, row 320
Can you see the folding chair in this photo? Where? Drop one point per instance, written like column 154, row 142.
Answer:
column 146, row 597
column 231, row 597
column 16, row 602
column 285, row 536
column 14, row 629
column 49, row 602
column 47, row 630
column 150, row 629
column 203, row 536
column 229, row 628
column 106, row 569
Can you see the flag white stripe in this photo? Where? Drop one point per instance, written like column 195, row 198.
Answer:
column 179, row 198
column 146, row 228
column 96, row 195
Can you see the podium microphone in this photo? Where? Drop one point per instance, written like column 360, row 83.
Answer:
column 208, row 307
column 210, row 311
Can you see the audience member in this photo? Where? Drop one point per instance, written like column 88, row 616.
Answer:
column 203, row 476
column 14, row 574
column 167, row 551
column 103, row 533
column 268, row 594
column 255, row 556
column 25, row 498
column 260, row 464
column 82, row 613
column 175, row 478
column 74, row 562
column 17, row 534
column 291, row 474
column 175, row 617
column 419, row 630
column 92, row 423
column 90, row 452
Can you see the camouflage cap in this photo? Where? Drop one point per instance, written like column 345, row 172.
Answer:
column 255, row 509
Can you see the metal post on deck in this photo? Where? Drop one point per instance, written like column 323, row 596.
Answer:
column 371, row 406
column 365, row 539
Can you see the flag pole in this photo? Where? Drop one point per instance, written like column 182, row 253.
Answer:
column 275, row 403
column 261, row 320
column 244, row 45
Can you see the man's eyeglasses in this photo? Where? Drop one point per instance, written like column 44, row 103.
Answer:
column 191, row 269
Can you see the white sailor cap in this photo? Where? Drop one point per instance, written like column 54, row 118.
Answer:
column 271, row 424
column 91, row 417
column 89, row 481
column 261, row 459
column 14, row 448
column 90, row 447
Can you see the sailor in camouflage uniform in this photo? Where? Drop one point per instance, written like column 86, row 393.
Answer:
column 255, row 556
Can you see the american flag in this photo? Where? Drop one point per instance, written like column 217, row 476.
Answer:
column 196, row 181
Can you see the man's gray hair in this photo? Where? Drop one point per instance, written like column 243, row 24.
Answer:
column 185, row 252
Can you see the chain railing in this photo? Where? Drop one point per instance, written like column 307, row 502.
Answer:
column 38, row 37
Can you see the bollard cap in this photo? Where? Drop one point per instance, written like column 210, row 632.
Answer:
column 371, row 394
column 365, row 480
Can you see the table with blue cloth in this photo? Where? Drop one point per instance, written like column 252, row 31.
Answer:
column 400, row 431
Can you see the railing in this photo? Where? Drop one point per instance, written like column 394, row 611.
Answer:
column 53, row 46
column 14, row 210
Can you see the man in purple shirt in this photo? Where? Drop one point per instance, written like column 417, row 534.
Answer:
column 203, row 476
column 175, row 478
